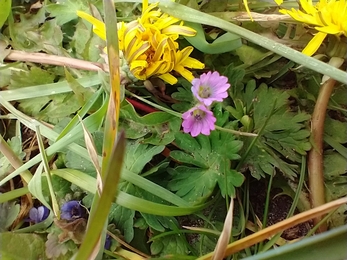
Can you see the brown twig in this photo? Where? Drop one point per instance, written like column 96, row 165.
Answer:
column 43, row 58
column 315, row 156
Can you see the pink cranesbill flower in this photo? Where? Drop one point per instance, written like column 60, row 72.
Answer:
column 210, row 87
column 198, row 120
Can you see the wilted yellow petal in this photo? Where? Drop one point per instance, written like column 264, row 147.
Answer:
column 314, row 44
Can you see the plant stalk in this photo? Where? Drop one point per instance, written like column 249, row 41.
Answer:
column 44, row 58
column 315, row 156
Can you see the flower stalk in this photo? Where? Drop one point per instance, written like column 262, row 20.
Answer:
column 315, row 156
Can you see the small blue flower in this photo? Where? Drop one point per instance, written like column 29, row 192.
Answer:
column 39, row 214
column 108, row 242
column 71, row 210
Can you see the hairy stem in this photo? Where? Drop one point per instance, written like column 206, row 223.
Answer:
column 315, row 156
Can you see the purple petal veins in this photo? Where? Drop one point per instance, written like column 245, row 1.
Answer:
column 210, row 87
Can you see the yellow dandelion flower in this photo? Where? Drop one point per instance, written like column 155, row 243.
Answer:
column 149, row 44
column 327, row 17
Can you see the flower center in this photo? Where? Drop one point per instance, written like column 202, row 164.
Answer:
column 198, row 114
column 205, row 91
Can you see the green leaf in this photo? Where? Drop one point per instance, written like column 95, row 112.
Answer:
column 157, row 128
column 48, row 108
column 224, row 43
column 65, row 11
column 82, row 94
column 334, row 165
column 184, row 95
column 285, row 137
column 212, row 157
column 123, row 218
column 8, row 214
column 33, row 33
column 336, row 129
column 22, row 246
column 250, row 55
column 170, row 245
column 319, row 246
column 36, row 188
column 136, row 157
column 84, row 42
column 5, row 9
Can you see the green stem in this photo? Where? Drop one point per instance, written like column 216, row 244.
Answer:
column 179, row 115
column 315, row 156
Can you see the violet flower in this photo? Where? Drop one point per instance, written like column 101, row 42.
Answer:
column 37, row 215
column 210, row 87
column 198, row 120
column 71, row 210
column 108, row 242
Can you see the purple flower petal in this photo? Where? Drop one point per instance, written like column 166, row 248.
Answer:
column 210, row 87
column 71, row 210
column 198, row 120
column 39, row 214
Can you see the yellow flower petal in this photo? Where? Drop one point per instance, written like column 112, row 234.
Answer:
column 179, row 29
column 245, row 3
column 168, row 78
column 98, row 26
column 184, row 72
column 279, row 2
column 332, row 29
column 307, row 6
column 314, row 44
column 326, row 16
column 149, row 45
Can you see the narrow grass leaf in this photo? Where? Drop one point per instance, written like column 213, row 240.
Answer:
column 87, row 183
column 91, row 148
column 224, row 237
column 47, row 89
column 5, row 9
column 35, row 186
column 13, row 194
column 81, row 113
column 97, row 221
column 112, row 117
column 185, row 13
column 44, row 158
column 92, row 123
column 91, row 247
